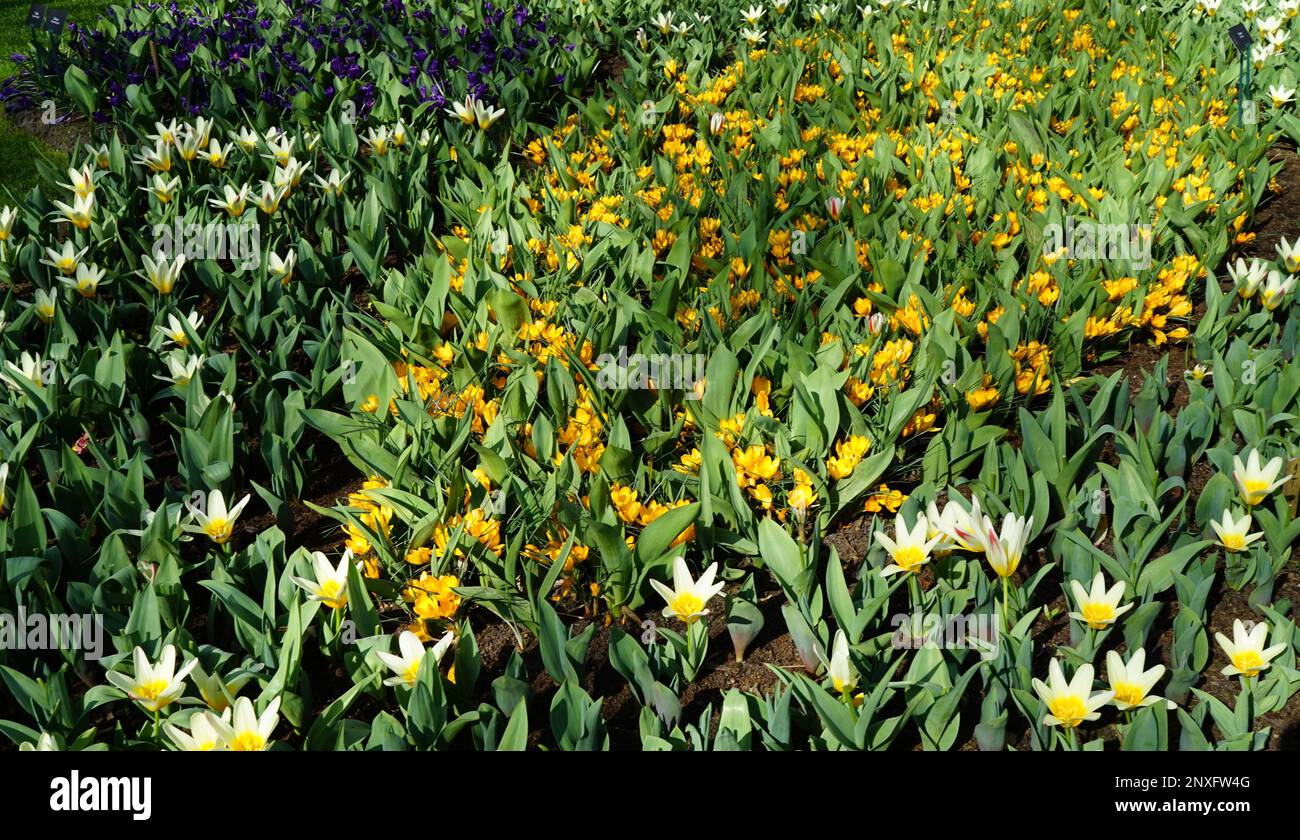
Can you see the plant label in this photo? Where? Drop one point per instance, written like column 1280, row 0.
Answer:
column 54, row 20
column 1240, row 37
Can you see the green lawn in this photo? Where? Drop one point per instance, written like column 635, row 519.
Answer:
column 18, row 150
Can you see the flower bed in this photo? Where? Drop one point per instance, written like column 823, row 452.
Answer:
column 686, row 346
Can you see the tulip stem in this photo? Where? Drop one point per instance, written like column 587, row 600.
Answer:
column 1006, row 611
column 156, row 732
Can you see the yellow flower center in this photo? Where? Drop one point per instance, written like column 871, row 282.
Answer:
column 1129, row 694
column 687, row 606
column 1070, row 710
column 218, row 530
column 1098, row 615
column 248, row 741
column 909, row 558
column 1248, row 662
column 1233, row 542
column 412, row 672
column 333, row 594
column 151, row 689
column 215, row 699
column 1254, row 490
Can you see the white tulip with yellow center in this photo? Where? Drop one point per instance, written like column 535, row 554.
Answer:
column 663, row 22
column 246, row 138
column 165, row 133
column 1070, row 703
column 407, row 666
column 80, row 213
column 233, row 201
column 87, row 280
column 30, row 367
column 202, row 735
column 65, row 260
column 163, row 273
column 4, row 480
column 81, row 182
column 280, row 149
column 1099, row 607
column 281, row 269
column 216, row 155
column 957, row 527
column 687, row 598
column 174, row 331
column 464, row 111
column 1004, row 551
column 1234, row 534
column 1132, row 682
column 485, row 115
column 217, row 522
column 1248, row 277
column 157, row 159
column 1246, row 650
column 1276, row 289
column 1256, row 481
column 46, row 303
column 162, row 189
column 1289, row 254
column 247, row 732
column 8, row 216
column 215, row 691
column 181, row 368
column 288, row 177
column 189, row 144
column 331, row 584
column 843, row 677
column 333, row 184
column 268, row 200
column 909, row 549
column 154, row 687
